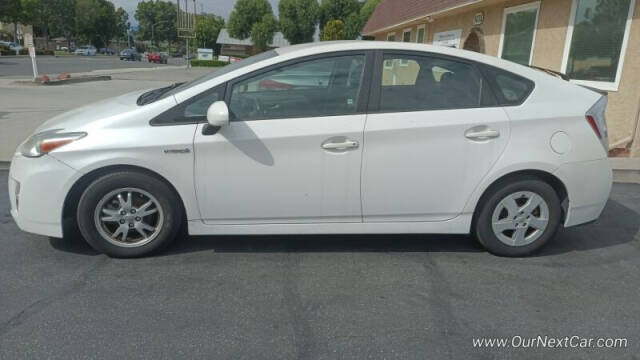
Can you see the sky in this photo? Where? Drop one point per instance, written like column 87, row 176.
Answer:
column 219, row 7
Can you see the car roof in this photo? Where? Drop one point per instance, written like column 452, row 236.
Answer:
column 346, row 45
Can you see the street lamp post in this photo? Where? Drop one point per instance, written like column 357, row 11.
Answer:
column 153, row 26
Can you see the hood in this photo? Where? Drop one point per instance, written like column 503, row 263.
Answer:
column 81, row 117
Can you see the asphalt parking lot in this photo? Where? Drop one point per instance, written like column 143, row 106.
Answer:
column 20, row 66
column 321, row 297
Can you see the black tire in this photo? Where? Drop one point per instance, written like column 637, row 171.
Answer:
column 483, row 220
column 168, row 201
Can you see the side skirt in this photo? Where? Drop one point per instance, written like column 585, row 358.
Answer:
column 458, row 225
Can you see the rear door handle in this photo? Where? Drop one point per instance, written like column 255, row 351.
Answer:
column 481, row 134
column 343, row 145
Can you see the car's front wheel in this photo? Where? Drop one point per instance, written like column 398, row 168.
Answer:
column 518, row 217
column 129, row 214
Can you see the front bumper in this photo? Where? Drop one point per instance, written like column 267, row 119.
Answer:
column 37, row 190
column 588, row 186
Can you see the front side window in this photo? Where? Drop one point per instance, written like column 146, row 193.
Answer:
column 519, row 29
column 320, row 87
column 430, row 83
column 596, row 42
column 191, row 111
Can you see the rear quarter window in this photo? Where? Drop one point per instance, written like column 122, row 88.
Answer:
column 510, row 89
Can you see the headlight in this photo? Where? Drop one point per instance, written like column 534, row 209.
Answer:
column 47, row 141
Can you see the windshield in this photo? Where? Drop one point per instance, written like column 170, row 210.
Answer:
column 223, row 70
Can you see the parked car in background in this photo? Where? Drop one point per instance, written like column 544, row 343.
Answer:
column 157, row 57
column 330, row 138
column 107, row 51
column 11, row 45
column 130, row 54
column 86, row 50
column 177, row 54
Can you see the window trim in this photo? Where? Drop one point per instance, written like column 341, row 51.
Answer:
column 376, row 80
column 422, row 27
column 602, row 85
column 516, row 9
column 363, row 95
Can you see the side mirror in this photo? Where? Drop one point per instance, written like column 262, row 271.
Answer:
column 218, row 114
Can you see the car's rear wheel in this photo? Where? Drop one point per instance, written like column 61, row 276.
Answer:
column 518, row 217
column 129, row 214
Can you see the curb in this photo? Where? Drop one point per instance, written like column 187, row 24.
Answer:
column 79, row 79
column 101, row 72
column 72, row 80
column 626, row 170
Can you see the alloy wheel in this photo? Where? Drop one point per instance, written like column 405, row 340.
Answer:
column 520, row 218
column 128, row 217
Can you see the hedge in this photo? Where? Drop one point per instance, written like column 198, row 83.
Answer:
column 208, row 63
column 6, row 52
column 25, row 51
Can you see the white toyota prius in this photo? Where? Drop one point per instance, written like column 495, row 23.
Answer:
column 336, row 137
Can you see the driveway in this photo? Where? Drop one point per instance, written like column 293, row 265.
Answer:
column 321, row 297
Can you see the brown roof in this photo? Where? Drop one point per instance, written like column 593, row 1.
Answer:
column 394, row 12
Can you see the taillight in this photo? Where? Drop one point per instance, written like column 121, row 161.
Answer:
column 596, row 119
column 594, row 126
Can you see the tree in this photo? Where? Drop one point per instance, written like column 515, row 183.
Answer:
column 207, row 29
column 262, row 32
column 122, row 24
column 156, row 19
column 95, row 21
column 334, row 30
column 352, row 26
column 245, row 14
column 337, row 10
column 40, row 14
column 11, row 11
column 367, row 9
column 298, row 19
column 63, row 19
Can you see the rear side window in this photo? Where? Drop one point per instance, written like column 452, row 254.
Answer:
column 418, row 83
column 510, row 89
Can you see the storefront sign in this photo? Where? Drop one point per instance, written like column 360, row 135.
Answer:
column 449, row 38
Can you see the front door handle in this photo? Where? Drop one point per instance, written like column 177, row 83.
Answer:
column 483, row 133
column 345, row 144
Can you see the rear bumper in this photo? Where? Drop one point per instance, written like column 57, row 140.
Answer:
column 37, row 190
column 588, row 186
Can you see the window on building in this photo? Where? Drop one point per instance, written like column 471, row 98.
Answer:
column 406, row 35
column 430, row 83
column 518, row 32
column 420, row 35
column 596, row 40
column 318, row 87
